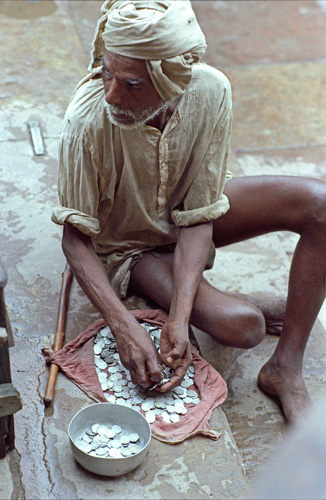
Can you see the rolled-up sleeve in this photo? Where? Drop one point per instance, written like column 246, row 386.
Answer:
column 78, row 185
column 204, row 201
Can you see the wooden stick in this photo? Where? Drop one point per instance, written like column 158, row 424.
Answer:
column 60, row 332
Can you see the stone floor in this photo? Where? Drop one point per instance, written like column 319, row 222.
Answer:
column 274, row 56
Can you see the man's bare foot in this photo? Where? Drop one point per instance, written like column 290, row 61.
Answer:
column 272, row 307
column 288, row 386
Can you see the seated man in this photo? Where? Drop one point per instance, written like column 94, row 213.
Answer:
column 146, row 198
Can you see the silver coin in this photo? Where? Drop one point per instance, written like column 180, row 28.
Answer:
column 86, row 438
column 102, row 377
column 110, row 398
column 115, row 377
column 150, row 416
column 115, row 443
column 179, row 390
column 115, row 453
column 109, row 384
column 148, row 404
column 97, row 348
column 110, row 433
column 124, row 439
column 119, row 401
column 101, row 364
column 125, row 395
column 103, row 439
column 192, row 394
column 125, row 452
column 170, row 408
column 174, row 417
column 113, row 369
column 95, row 428
column 95, row 443
column 134, row 437
column 134, row 448
column 116, row 428
column 188, row 400
column 169, row 399
column 87, row 448
column 100, row 344
column 126, row 402
column 165, row 417
column 117, row 388
column 100, row 452
column 196, row 401
column 101, row 430
column 161, row 404
column 105, row 331
column 137, row 400
column 179, row 407
column 186, row 383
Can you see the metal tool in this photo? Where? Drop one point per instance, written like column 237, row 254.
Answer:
column 37, row 138
column 60, row 332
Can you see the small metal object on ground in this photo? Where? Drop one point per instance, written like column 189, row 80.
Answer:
column 37, row 138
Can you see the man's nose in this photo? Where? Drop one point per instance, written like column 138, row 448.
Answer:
column 113, row 93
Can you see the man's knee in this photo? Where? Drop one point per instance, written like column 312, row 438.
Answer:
column 317, row 203
column 251, row 327
column 238, row 325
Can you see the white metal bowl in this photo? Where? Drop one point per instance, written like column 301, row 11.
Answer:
column 109, row 414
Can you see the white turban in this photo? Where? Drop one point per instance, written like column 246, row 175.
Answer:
column 163, row 33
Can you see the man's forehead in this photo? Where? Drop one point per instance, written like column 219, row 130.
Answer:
column 125, row 65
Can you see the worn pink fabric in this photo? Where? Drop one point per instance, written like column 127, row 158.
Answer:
column 76, row 360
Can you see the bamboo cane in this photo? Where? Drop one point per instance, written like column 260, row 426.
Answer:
column 60, row 332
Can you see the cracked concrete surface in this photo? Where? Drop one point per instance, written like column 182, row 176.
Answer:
column 279, row 127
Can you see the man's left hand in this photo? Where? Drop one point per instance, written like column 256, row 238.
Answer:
column 175, row 352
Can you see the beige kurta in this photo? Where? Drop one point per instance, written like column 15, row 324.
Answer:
column 131, row 190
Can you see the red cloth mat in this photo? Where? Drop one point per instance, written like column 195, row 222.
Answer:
column 76, row 360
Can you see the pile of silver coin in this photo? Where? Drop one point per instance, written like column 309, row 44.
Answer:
column 109, row 441
column 118, row 388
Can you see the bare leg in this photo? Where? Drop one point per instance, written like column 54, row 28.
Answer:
column 265, row 204
column 229, row 319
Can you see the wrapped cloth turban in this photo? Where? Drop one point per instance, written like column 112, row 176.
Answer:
column 163, row 33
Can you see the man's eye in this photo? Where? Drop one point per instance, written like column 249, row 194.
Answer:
column 134, row 86
column 107, row 73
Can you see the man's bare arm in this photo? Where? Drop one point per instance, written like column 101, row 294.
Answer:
column 137, row 351
column 190, row 258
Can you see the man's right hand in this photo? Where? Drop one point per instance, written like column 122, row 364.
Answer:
column 136, row 349
column 138, row 354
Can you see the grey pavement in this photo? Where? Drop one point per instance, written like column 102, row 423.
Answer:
column 277, row 71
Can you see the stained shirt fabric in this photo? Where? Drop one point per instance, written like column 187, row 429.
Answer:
column 131, row 190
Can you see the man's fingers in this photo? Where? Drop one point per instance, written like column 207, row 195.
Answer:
column 154, row 370
column 133, row 376
column 176, row 378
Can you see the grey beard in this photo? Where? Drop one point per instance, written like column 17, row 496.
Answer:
column 140, row 117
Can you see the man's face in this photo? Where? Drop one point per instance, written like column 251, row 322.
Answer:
column 129, row 91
